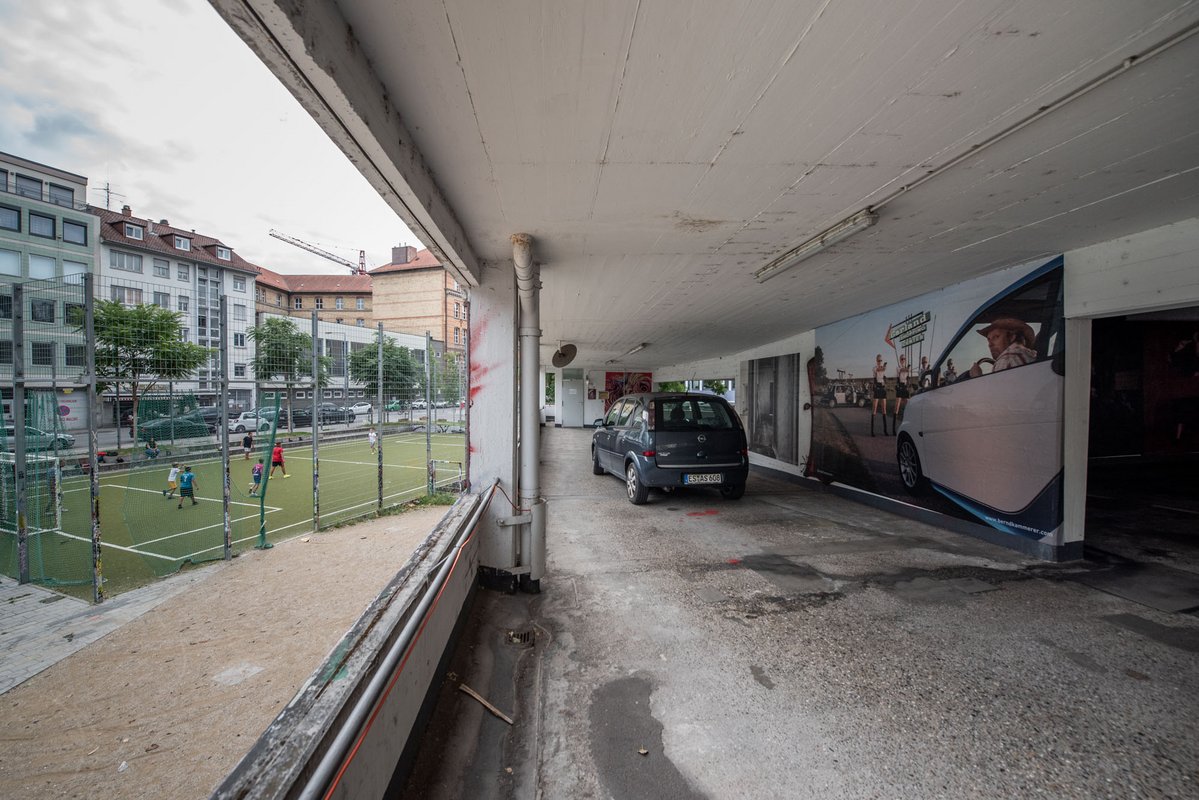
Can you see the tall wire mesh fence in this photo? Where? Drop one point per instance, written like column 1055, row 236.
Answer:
column 141, row 437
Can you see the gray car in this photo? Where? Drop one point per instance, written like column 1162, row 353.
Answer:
column 37, row 440
column 672, row 440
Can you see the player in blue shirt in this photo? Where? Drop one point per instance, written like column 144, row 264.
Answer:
column 187, row 486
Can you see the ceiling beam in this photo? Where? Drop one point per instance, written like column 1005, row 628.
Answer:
column 312, row 50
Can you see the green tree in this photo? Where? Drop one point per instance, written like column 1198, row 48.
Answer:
column 716, row 386
column 550, row 388
column 142, row 346
column 283, row 352
column 451, row 378
column 672, row 386
column 401, row 370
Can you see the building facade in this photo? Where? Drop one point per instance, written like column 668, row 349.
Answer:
column 415, row 294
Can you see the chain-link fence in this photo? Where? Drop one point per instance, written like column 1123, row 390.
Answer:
column 144, row 436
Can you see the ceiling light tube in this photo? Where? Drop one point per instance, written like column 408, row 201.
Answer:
column 636, row 349
column 826, row 238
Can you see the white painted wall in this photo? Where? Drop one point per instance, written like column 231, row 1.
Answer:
column 493, row 417
column 1148, row 271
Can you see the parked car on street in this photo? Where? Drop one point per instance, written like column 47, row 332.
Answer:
column 672, row 440
column 250, row 421
column 183, row 426
column 844, row 394
column 38, row 440
column 362, row 409
column 332, row 413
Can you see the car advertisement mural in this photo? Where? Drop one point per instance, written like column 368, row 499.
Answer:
column 951, row 401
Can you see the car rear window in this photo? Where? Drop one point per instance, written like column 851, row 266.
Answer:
column 693, row 414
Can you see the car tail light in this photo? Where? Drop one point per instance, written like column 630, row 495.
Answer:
column 648, row 453
column 649, row 416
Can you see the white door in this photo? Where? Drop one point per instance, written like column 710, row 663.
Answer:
column 572, row 403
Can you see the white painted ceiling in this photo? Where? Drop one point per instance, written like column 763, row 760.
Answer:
column 662, row 151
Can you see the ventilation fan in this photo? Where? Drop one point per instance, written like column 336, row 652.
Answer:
column 564, row 355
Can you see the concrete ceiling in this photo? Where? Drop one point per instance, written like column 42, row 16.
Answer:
column 662, row 151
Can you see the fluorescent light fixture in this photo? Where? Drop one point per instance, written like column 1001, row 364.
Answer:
column 826, row 238
column 636, row 349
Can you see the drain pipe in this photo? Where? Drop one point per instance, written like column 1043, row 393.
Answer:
column 532, row 533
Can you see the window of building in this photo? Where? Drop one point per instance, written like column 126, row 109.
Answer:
column 134, row 231
column 41, row 225
column 456, row 334
column 128, row 262
column 41, row 267
column 339, row 303
column 298, row 303
column 360, row 303
column 360, row 322
column 41, row 310
column 73, row 314
column 10, row 262
column 239, row 313
column 239, row 340
column 239, row 283
column 223, row 253
column 320, row 303
column 328, row 395
column 6, row 351
column 73, row 272
column 185, row 272
column 62, row 195
column 74, row 232
column 3, row 180
column 278, row 299
column 162, row 300
column 181, row 302
column 162, row 268
column 339, row 320
column 185, row 334
column 76, row 355
column 10, row 218
column 29, row 187
column 125, row 295
column 41, row 354
column 239, row 370
column 5, row 306
column 183, row 243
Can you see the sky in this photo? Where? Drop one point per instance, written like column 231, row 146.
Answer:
column 162, row 101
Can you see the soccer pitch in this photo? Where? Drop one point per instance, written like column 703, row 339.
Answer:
column 146, row 535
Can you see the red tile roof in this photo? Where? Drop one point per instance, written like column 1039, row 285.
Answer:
column 272, row 279
column 160, row 238
column 424, row 260
column 329, row 284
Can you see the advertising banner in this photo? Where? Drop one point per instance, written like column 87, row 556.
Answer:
column 951, row 401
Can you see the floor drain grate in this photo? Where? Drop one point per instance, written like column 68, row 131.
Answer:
column 520, row 637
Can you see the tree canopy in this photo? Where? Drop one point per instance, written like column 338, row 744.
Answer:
column 284, row 352
column 403, row 375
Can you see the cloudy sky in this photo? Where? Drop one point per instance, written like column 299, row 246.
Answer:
column 162, row 101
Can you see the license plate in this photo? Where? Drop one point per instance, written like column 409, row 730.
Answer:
column 703, row 477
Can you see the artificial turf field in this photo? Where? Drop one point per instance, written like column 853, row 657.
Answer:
column 146, row 535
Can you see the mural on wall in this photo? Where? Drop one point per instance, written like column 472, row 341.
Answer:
column 951, row 401
column 771, row 406
column 618, row 384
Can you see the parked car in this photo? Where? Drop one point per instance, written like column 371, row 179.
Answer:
column 985, row 428
column 669, row 440
column 37, row 439
column 844, row 394
column 332, row 413
column 250, row 421
column 183, row 426
column 362, row 408
column 395, row 405
column 301, row 416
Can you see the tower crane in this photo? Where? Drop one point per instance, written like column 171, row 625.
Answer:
column 357, row 269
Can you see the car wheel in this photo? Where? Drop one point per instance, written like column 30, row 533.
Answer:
column 638, row 491
column 909, row 467
column 733, row 491
column 596, row 469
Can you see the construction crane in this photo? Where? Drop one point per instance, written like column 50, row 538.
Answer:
column 357, row 269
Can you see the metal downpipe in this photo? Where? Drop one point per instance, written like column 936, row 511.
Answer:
column 532, row 534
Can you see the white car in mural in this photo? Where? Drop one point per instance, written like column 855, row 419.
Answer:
column 985, row 427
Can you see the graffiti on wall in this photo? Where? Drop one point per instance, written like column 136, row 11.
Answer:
column 618, row 384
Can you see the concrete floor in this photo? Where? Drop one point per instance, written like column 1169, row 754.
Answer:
column 796, row 644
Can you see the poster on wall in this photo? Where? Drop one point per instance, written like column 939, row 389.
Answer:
column 951, row 401
column 618, row 384
column 771, row 406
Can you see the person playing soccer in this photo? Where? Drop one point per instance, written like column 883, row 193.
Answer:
column 373, row 438
column 256, row 478
column 277, row 461
column 187, row 486
column 247, row 444
column 172, row 481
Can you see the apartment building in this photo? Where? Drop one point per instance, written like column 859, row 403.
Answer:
column 48, row 242
column 415, row 294
column 143, row 261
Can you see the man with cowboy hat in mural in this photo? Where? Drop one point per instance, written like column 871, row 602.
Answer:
column 1011, row 343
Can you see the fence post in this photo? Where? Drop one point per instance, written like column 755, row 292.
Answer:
column 316, row 423
column 429, row 411
column 94, row 407
column 18, row 420
column 379, row 406
column 223, row 423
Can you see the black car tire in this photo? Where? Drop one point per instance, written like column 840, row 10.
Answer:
column 596, row 469
column 733, row 491
column 910, row 472
column 638, row 491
